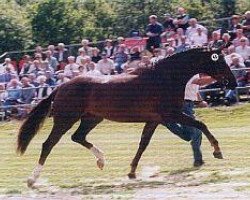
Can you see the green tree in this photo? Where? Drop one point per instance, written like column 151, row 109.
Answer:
column 15, row 29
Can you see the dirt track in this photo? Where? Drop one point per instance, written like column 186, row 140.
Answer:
column 186, row 185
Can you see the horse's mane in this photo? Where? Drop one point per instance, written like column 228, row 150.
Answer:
column 177, row 55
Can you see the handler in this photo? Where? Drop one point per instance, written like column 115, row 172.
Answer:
column 190, row 133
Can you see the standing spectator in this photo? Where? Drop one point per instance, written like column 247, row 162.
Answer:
column 86, row 48
column 199, row 38
column 120, row 58
column 70, row 67
column 52, row 61
column 192, row 29
column 243, row 49
column 109, row 49
column 96, row 55
column 43, row 89
column 235, row 25
column 106, row 65
column 61, row 55
column 28, row 91
column 182, row 19
column 246, row 25
column 239, row 35
column 120, row 40
column 169, row 27
column 153, row 31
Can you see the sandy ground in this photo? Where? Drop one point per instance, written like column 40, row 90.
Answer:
column 150, row 185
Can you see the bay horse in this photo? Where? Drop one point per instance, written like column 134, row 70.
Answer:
column 152, row 95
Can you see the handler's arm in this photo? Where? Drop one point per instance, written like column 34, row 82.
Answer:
column 205, row 80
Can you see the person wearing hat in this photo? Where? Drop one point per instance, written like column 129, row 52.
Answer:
column 105, row 65
column 153, row 31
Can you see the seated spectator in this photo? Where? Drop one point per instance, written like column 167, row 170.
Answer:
column 70, row 67
column 192, row 29
column 50, row 78
column 184, row 45
column 43, row 89
column 61, row 79
column 179, row 34
column 169, row 27
column 61, row 56
column 7, row 64
column 7, row 76
column 120, row 58
column 199, row 38
column 230, row 56
column 93, row 71
column 45, row 66
column 169, row 51
column 35, row 67
column 86, row 48
column 153, row 31
column 52, row 49
column 32, row 78
column 109, row 49
column 81, row 55
column 235, row 25
column 14, row 93
column 3, row 94
column 52, row 61
column 246, row 25
column 38, row 57
column 226, row 38
column 39, row 50
column 135, row 54
column 243, row 49
column 239, row 35
column 28, row 91
column 120, row 40
column 157, row 55
column 89, row 65
column 182, row 19
column 240, row 75
column 25, row 65
column 96, row 55
column 216, row 41
column 106, row 66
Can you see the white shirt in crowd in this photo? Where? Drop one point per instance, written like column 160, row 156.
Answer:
column 244, row 52
column 191, row 89
column 69, row 68
column 79, row 59
column 105, row 66
column 198, row 40
column 41, row 89
column 229, row 58
column 192, row 30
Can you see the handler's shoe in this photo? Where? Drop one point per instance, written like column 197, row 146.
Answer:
column 198, row 163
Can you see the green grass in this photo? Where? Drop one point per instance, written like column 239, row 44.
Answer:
column 72, row 166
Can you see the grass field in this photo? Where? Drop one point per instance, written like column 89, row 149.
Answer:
column 71, row 167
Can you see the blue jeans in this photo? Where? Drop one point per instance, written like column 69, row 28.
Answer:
column 231, row 94
column 188, row 133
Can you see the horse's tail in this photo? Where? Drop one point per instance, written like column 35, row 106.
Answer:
column 34, row 122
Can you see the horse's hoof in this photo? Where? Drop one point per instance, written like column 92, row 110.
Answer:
column 30, row 182
column 100, row 163
column 218, row 155
column 131, row 176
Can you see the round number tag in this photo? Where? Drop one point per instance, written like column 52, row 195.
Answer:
column 215, row 57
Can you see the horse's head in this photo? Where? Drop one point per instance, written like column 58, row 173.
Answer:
column 215, row 65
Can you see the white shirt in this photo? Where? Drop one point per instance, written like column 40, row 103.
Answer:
column 228, row 58
column 41, row 89
column 192, row 30
column 105, row 67
column 244, row 52
column 191, row 89
column 69, row 68
column 198, row 40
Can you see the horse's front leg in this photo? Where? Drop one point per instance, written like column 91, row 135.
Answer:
column 147, row 133
column 186, row 120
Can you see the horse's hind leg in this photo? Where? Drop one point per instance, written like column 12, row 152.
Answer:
column 88, row 122
column 147, row 133
column 189, row 121
column 60, row 127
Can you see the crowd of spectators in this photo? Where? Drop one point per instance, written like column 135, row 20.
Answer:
column 35, row 76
